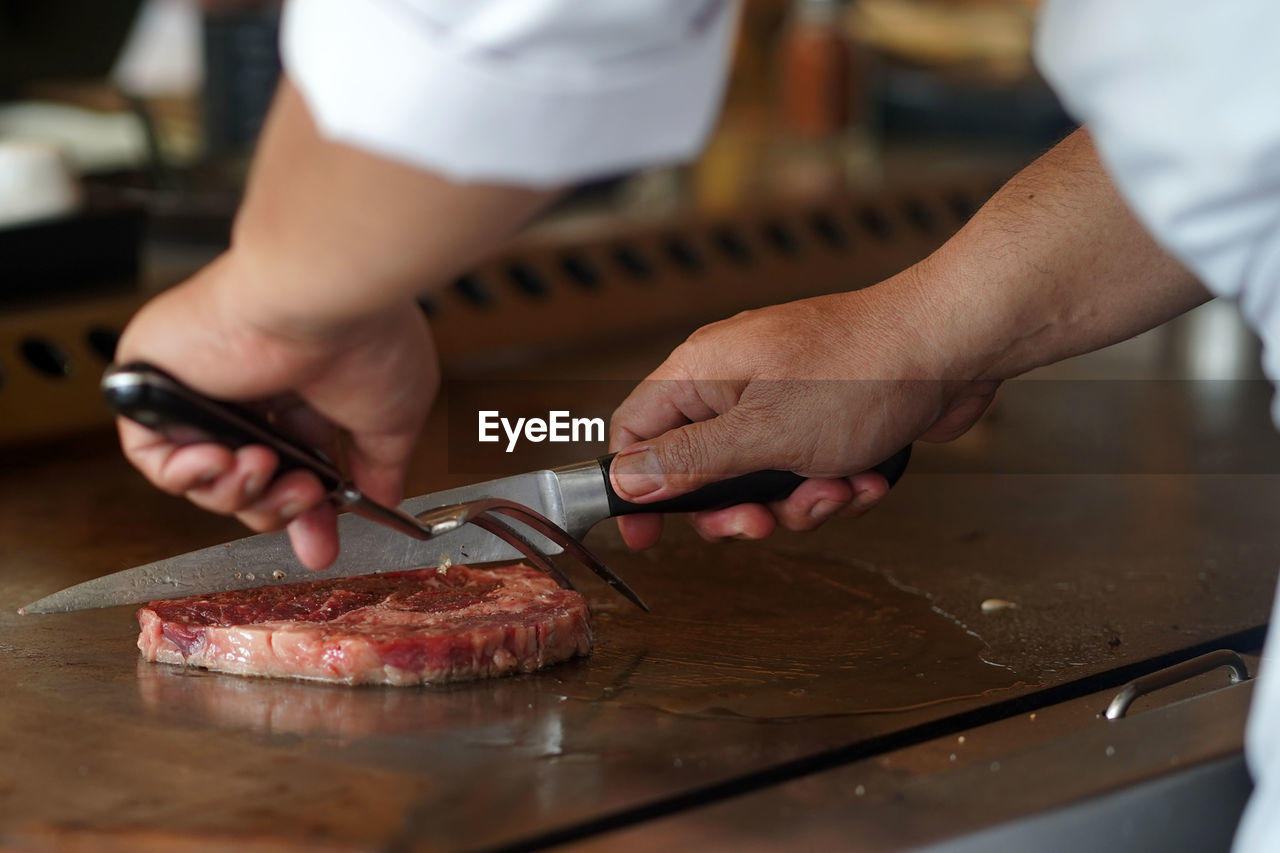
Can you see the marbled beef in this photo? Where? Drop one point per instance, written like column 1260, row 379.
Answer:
column 397, row 628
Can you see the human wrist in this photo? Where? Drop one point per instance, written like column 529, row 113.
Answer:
column 298, row 297
column 987, row 321
column 328, row 232
column 936, row 334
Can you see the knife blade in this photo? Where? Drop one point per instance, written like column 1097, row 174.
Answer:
column 575, row 497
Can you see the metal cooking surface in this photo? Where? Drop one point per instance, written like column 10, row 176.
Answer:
column 987, row 789
column 756, row 654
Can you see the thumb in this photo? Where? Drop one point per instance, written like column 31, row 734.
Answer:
column 688, row 458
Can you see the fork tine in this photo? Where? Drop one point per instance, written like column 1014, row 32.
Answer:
column 482, row 514
column 507, row 534
column 561, row 537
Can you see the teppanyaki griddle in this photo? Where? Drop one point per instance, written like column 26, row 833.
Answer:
column 747, row 676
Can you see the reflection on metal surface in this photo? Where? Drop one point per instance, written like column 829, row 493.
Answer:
column 1061, row 783
column 520, row 714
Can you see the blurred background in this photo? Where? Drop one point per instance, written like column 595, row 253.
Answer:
column 165, row 97
column 855, row 137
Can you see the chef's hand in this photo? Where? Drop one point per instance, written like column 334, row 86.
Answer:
column 371, row 377
column 824, row 387
column 313, row 313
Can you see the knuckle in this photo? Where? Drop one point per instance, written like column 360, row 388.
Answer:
column 260, row 521
column 165, row 484
column 798, row 523
column 682, row 453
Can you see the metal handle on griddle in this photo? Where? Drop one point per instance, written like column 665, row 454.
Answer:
column 1172, row 675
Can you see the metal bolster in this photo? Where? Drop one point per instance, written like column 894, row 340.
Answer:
column 583, row 495
column 1172, row 675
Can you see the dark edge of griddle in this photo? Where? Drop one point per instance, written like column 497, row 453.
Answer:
column 1248, row 640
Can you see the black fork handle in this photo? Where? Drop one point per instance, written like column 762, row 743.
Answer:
column 146, row 394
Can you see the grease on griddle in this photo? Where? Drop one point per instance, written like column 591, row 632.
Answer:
column 765, row 635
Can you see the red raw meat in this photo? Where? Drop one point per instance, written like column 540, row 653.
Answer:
column 397, row 628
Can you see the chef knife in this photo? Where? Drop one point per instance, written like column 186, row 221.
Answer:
column 576, row 497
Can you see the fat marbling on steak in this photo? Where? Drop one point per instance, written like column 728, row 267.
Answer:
column 398, row 628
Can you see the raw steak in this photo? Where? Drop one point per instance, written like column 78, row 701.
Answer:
column 396, row 628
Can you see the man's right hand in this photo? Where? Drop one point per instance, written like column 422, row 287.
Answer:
column 824, row 387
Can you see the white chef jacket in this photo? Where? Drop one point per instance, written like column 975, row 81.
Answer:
column 1182, row 98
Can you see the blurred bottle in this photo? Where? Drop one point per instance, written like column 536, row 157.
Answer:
column 733, row 168
column 823, row 88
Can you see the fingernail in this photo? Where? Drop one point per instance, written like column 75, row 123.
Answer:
column 863, row 499
column 824, row 509
column 207, row 478
column 292, row 510
column 252, row 485
column 638, row 473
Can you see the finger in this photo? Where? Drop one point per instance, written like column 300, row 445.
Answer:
column 869, row 488
column 314, row 536
column 654, row 407
column 379, row 465
column 744, row 521
column 242, row 485
column 813, row 502
column 288, row 497
column 192, row 467
column 684, row 459
column 170, row 467
column 661, row 404
column 640, row 531
column 295, row 418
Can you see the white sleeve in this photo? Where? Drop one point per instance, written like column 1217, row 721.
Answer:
column 531, row 92
column 1182, row 98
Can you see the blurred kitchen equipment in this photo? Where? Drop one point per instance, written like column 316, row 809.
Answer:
column 51, row 242
column 958, row 69
column 60, row 39
column 35, row 183
column 242, row 65
column 618, row 280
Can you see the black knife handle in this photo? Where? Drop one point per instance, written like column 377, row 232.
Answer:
column 146, row 394
column 757, row 487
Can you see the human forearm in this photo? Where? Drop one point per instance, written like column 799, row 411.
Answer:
column 1052, row 266
column 328, row 232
